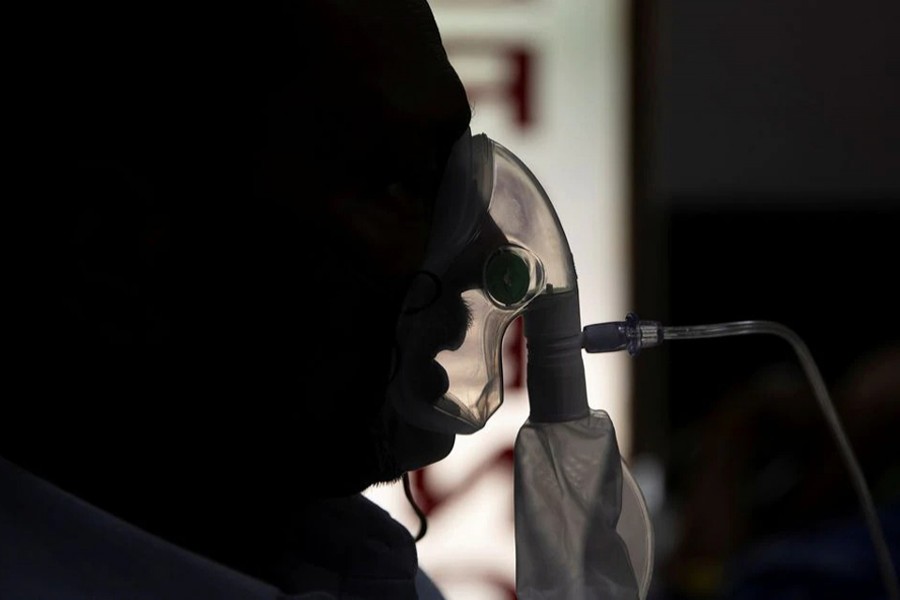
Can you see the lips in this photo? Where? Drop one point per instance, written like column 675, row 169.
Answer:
column 437, row 319
column 440, row 327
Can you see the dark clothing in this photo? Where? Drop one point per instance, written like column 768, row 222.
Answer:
column 55, row 546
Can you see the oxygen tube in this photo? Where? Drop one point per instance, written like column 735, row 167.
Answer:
column 634, row 335
column 498, row 251
column 581, row 524
column 572, row 489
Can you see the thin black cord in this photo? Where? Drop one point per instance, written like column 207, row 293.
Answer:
column 423, row 520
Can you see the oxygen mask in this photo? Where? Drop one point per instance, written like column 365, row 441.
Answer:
column 497, row 251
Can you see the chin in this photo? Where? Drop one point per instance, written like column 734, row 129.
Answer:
column 416, row 448
column 402, row 447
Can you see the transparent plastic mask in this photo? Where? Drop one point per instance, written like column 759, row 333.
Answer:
column 496, row 244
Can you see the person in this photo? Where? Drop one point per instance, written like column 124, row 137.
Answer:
column 223, row 207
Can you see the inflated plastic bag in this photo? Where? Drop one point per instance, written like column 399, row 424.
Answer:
column 582, row 530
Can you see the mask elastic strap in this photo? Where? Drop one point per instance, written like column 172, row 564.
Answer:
column 423, row 520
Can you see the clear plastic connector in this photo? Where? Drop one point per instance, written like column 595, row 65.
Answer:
column 633, row 335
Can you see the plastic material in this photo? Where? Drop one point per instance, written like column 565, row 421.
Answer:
column 577, row 508
column 497, row 251
column 857, row 477
column 496, row 245
column 632, row 334
column 635, row 529
column 556, row 387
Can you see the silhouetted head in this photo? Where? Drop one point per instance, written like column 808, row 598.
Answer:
column 224, row 209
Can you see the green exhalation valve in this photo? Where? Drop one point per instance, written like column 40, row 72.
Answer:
column 507, row 277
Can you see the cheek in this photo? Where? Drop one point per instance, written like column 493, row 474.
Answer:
column 338, row 459
column 387, row 228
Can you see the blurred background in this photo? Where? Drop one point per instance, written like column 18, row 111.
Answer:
column 710, row 161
